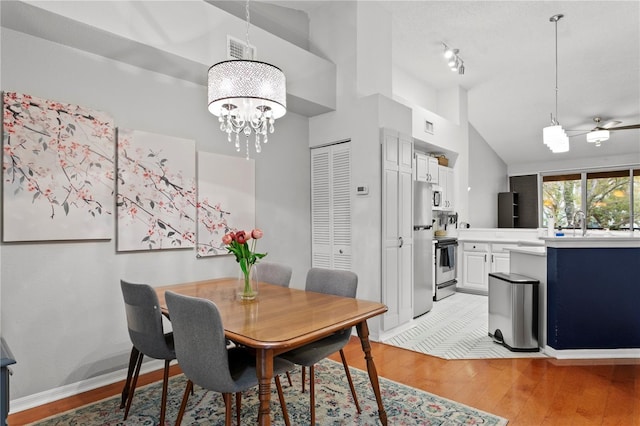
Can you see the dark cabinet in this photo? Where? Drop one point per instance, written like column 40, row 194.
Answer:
column 526, row 187
column 508, row 210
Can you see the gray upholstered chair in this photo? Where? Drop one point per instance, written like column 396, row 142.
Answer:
column 339, row 283
column 205, row 359
column 273, row 273
column 144, row 321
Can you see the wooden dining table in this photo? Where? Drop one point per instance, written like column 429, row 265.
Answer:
column 281, row 319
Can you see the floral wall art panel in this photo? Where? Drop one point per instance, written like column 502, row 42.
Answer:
column 58, row 170
column 226, row 199
column 156, row 196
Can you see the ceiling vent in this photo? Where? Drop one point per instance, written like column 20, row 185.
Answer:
column 238, row 49
column 428, row 126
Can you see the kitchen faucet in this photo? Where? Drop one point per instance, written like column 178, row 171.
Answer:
column 583, row 222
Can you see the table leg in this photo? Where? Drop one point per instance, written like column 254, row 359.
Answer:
column 363, row 333
column 264, row 370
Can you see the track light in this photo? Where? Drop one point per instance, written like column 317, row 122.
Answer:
column 448, row 53
column 455, row 63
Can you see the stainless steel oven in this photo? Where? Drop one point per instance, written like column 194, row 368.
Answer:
column 446, row 253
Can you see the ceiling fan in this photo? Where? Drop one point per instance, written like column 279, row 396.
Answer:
column 601, row 132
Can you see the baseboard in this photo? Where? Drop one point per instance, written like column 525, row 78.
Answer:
column 51, row 395
column 591, row 353
column 392, row 333
column 472, row 291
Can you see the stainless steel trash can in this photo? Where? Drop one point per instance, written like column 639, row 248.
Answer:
column 513, row 311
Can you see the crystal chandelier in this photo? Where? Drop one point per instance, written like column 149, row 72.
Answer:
column 247, row 96
column 554, row 135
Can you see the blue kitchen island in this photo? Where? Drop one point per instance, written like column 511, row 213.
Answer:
column 590, row 305
column 593, row 293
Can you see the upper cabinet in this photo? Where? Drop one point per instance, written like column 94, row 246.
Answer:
column 446, row 186
column 426, row 168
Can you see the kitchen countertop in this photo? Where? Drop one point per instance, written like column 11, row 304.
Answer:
column 533, row 250
column 593, row 241
column 520, row 242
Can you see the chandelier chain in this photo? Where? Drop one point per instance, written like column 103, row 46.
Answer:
column 248, row 23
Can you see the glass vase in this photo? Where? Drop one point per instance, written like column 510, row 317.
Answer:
column 248, row 285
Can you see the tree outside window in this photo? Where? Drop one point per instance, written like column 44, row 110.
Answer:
column 561, row 198
column 607, row 195
column 608, row 200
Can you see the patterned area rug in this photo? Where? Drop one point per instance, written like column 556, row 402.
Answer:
column 334, row 406
column 456, row 328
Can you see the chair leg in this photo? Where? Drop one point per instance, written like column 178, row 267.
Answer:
column 353, row 389
column 283, row 404
column 227, row 409
column 134, row 382
column 238, row 407
column 132, row 365
column 183, row 404
column 165, row 385
column 289, row 379
column 303, row 376
column 312, row 393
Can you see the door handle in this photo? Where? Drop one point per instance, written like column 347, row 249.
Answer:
column 485, row 257
column 401, row 242
column 491, row 258
column 340, row 251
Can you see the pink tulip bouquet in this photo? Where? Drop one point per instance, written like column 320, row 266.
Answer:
column 238, row 244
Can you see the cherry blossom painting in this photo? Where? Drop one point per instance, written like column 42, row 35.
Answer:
column 58, row 170
column 226, row 200
column 156, row 195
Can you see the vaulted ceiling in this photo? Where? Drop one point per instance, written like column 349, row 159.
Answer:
column 508, row 49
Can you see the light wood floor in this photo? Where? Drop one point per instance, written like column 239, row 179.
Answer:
column 524, row 391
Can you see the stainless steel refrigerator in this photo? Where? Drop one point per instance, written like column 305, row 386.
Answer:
column 422, row 249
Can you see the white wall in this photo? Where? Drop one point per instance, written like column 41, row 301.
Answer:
column 487, row 177
column 358, row 118
column 62, row 311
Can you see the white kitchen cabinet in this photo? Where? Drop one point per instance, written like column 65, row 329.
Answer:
column 331, row 206
column 447, row 188
column 422, row 167
column 500, row 257
column 426, row 168
column 397, row 228
column 475, row 267
column 478, row 260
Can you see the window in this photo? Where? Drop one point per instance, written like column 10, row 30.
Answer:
column 610, row 200
column 608, row 196
column 562, row 197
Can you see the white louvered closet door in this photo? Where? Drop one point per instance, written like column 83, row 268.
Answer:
column 331, row 206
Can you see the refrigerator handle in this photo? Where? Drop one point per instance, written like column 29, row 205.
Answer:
column 401, row 242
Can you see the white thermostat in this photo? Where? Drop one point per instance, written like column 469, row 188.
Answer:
column 362, row 190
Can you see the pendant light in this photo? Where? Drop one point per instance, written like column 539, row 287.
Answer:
column 247, row 96
column 554, row 135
